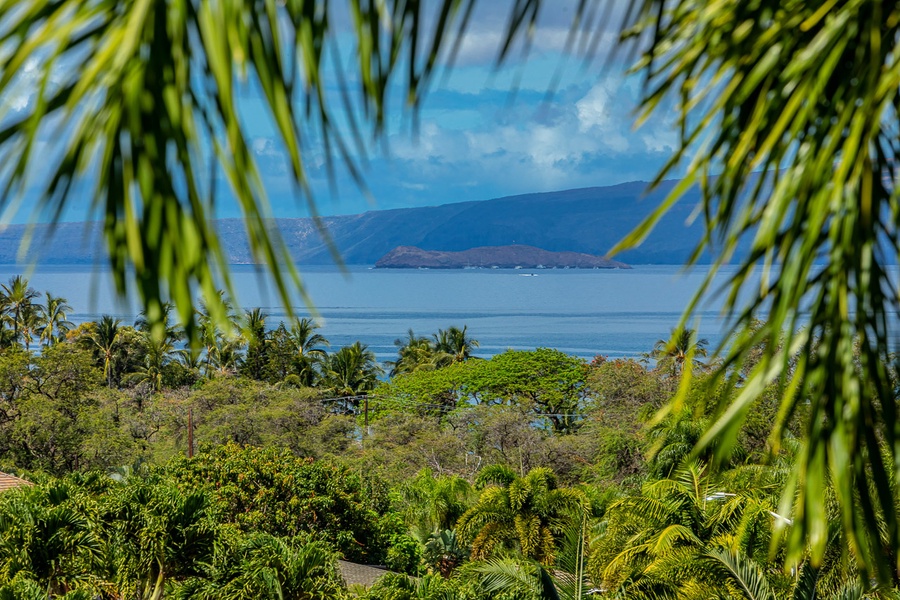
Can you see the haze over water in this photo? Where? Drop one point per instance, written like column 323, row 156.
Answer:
column 582, row 312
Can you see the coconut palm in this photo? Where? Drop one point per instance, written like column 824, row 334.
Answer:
column 54, row 318
column 104, row 336
column 528, row 514
column 681, row 350
column 433, row 504
column 191, row 358
column 158, row 354
column 308, row 348
column 415, row 353
column 351, row 371
column 30, row 323
column 254, row 332
column 213, row 336
column 229, row 354
column 16, row 297
column 455, row 343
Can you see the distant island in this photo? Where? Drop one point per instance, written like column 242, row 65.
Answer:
column 500, row 257
column 589, row 221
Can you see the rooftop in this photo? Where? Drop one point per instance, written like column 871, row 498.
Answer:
column 8, row 482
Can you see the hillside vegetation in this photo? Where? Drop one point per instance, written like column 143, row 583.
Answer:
column 245, row 468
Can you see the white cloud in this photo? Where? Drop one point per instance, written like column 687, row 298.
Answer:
column 23, row 90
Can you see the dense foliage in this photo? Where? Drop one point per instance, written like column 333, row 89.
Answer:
column 525, row 476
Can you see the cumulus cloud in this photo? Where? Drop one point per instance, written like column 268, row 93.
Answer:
column 583, row 138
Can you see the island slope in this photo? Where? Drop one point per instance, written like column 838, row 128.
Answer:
column 502, row 257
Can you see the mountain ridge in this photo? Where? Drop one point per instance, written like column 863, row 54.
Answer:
column 583, row 220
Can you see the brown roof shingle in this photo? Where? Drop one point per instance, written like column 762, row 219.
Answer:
column 8, row 482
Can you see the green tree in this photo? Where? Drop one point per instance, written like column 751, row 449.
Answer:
column 433, row 504
column 157, row 357
column 104, row 336
column 271, row 567
column 528, row 514
column 17, row 296
column 295, row 352
column 657, row 537
column 414, row 353
column 160, row 534
column 271, row 491
column 351, row 371
column 682, row 350
column 455, row 343
column 548, row 382
column 46, row 535
column 308, row 349
column 29, row 323
column 218, row 338
column 169, row 332
column 254, row 331
column 56, row 410
column 54, row 319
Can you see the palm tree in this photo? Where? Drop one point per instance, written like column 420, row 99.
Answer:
column 191, row 358
column 415, row 354
column 255, row 333
column 307, row 346
column 652, row 538
column 46, row 533
column 352, row 370
column 743, row 577
column 455, row 343
column 29, row 323
column 158, row 355
column 528, row 513
column 54, row 317
column 159, row 534
column 433, row 504
column 518, row 577
column 279, row 568
column 16, row 297
column 214, row 338
column 104, row 337
column 680, row 350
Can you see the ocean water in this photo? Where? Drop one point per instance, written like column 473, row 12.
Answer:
column 617, row 313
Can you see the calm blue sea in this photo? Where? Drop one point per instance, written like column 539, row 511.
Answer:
column 582, row 312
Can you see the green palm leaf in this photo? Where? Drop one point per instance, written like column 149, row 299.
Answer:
column 744, row 573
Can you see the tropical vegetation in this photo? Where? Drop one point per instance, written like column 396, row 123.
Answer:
column 787, row 116
column 527, row 475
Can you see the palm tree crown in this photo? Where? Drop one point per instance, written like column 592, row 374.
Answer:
column 17, row 297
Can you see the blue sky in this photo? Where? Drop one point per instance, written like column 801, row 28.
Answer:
column 477, row 140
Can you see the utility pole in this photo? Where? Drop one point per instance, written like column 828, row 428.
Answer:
column 190, row 433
